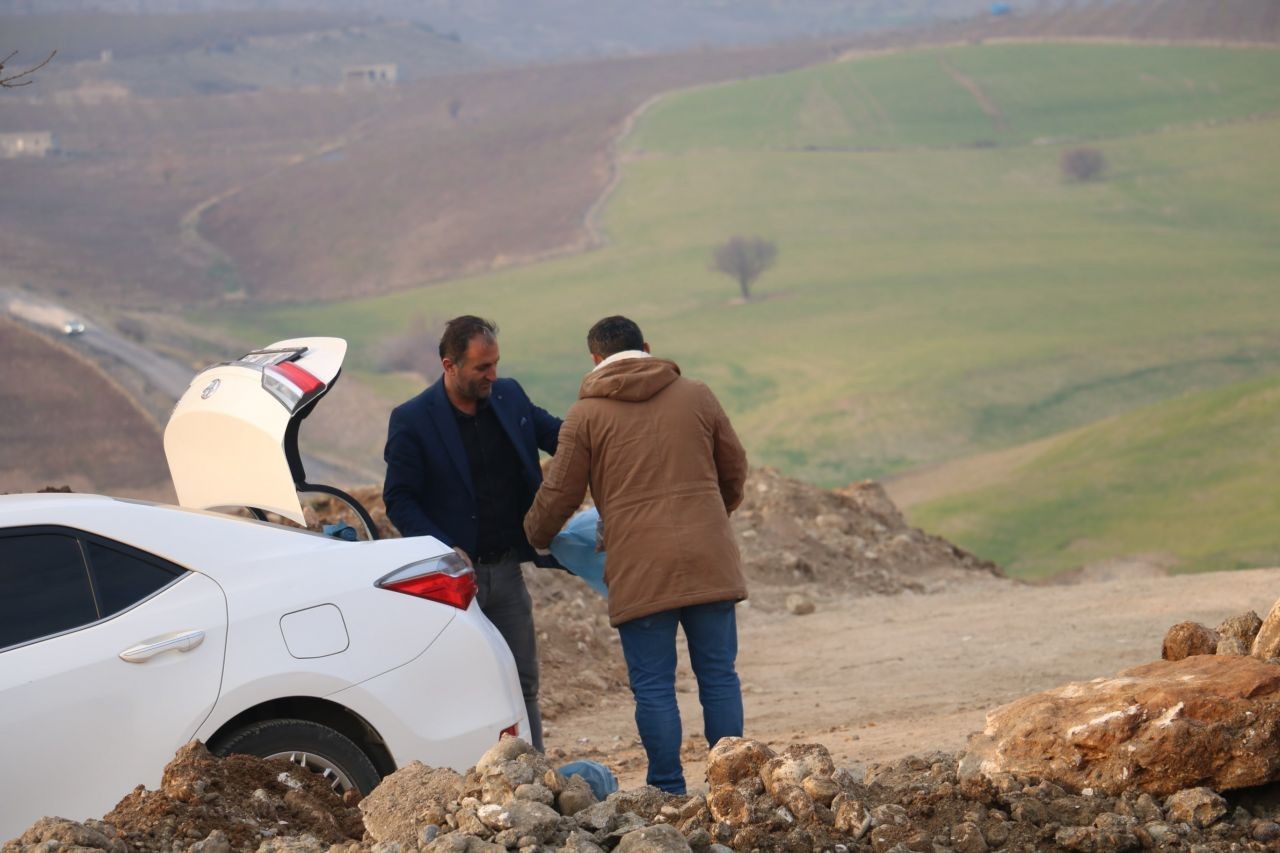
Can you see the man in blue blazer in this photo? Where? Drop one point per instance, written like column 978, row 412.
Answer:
column 462, row 466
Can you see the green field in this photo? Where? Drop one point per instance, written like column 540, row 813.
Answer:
column 1195, row 478
column 940, row 289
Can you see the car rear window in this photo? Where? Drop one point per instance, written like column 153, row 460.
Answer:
column 124, row 580
column 44, row 587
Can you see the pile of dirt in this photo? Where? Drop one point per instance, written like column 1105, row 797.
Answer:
column 209, row 805
column 756, row 799
column 794, row 537
column 852, row 540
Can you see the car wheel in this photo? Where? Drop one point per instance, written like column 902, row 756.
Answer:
column 316, row 747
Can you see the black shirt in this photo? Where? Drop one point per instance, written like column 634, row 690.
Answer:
column 502, row 496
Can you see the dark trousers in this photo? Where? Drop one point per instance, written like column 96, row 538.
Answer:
column 649, row 646
column 505, row 600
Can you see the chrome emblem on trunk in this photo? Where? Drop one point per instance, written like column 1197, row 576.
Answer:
column 209, row 389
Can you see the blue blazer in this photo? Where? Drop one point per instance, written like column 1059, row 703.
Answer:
column 428, row 490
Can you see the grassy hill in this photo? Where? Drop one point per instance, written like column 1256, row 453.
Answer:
column 934, row 297
column 1194, row 478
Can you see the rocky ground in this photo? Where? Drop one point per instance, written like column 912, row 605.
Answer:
column 869, row 654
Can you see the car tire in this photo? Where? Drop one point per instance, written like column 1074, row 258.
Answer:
column 312, row 745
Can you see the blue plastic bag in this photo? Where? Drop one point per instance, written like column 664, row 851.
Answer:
column 596, row 775
column 575, row 548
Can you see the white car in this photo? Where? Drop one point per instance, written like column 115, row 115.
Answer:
column 129, row 628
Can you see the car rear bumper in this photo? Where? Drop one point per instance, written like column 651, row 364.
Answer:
column 451, row 703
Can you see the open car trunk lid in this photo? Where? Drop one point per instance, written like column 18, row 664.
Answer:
column 232, row 439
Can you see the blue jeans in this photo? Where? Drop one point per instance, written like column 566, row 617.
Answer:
column 649, row 646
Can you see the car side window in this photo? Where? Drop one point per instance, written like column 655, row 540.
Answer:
column 122, row 580
column 44, row 587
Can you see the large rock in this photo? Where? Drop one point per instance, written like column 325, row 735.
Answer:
column 1189, row 638
column 1266, row 644
column 1206, row 720
column 1244, row 627
column 733, row 759
column 409, row 799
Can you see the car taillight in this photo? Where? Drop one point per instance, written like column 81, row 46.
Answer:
column 446, row 579
column 513, row 730
column 290, row 384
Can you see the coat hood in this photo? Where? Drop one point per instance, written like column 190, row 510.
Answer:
column 632, row 380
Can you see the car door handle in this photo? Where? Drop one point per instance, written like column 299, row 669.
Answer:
column 183, row 641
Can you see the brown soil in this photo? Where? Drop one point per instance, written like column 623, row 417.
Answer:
column 248, row 799
column 63, row 421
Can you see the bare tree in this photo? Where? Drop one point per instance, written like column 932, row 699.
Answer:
column 744, row 259
column 1080, row 165
column 13, row 81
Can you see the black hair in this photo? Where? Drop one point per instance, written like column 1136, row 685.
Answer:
column 613, row 335
column 458, row 333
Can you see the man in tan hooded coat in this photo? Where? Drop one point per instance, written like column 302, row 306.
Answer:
column 665, row 469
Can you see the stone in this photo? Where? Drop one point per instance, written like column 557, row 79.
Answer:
column 821, row 789
column 1232, row 646
column 413, row 797
column 1199, row 807
column 967, row 838
column 535, row 793
column 299, row 844
column 579, row 842
column 646, row 801
column 799, row 604
column 729, row 806
column 1266, row 644
column 733, row 759
column 506, row 749
column 796, row 763
column 1265, row 831
column 1244, row 627
column 600, row 818
column 1158, row 728
column 215, row 842
column 1188, row 638
column 50, row 833
column 525, row 818
column 659, row 838
column 575, row 796
column 698, row 838
column 852, row 818
column 454, row 843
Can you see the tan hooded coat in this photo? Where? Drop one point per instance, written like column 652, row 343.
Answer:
column 665, row 469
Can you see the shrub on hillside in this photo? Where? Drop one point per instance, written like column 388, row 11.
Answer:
column 416, row 349
column 1080, row 165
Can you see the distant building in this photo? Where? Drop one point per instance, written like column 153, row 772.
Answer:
column 368, row 76
column 34, row 144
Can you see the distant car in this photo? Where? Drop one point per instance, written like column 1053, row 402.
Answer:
column 129, row 628
column 73, row 327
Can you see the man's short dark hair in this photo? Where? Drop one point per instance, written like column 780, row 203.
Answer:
column 613, row 335
column 458, row 333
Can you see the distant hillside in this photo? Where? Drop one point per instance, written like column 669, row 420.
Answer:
column 63, row 422
column 542, row 29
column 1193, row 482
column 176, row 55
column 931, row 300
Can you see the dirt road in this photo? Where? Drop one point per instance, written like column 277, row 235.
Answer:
column 886, row 676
